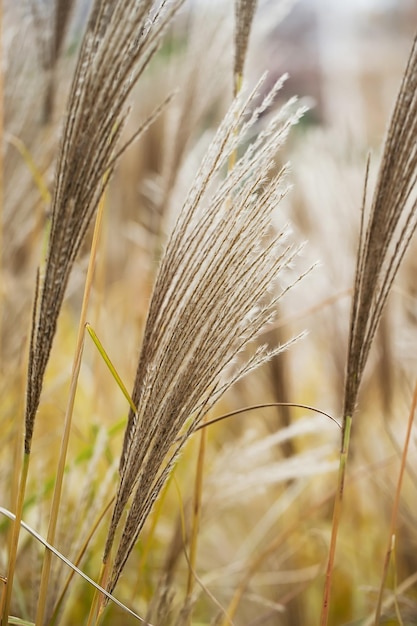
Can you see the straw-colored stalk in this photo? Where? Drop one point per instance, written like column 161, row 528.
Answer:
column 382, row 244
column 76, row 366
column 395, row 508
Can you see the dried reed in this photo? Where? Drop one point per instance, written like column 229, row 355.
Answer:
column 391, row 223
column 112, row 58
column 118, row 44
column 210, row 300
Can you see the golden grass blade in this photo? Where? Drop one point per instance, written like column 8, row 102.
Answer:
column 77, row 560
column 97, row 605
column 109, row 364
column 156, row 516
column 36, row 174
column 2, row 285
column 407, row 584
column 337, row 511
column 186, row 611
column 14, row 539
column 68, row 417
column 22, row 482
column 20, row 622
column 196, row 515
column 71, row 565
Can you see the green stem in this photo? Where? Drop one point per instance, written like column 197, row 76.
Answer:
column 336, row 518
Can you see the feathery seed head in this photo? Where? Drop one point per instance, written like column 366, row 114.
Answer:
column 391, row 224
column 210, row 300
column 108, row 67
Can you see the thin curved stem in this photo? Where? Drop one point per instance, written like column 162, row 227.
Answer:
column 266, row 405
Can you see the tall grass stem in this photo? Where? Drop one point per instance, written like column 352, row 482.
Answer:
column 56, row 499
column 395, row 508
column 77, row 561
column 337, row 509
column 196, row 515
column 15, row 538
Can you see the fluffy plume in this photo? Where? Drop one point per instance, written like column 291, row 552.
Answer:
column 119, row 42
column 211, row 299
column 391, row 224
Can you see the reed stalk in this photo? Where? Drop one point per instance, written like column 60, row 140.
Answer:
column 196, row 515
column 56, row 498
column 385, row 235
column 395, row 507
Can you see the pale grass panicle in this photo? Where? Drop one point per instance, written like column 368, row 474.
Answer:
column 212, row 297
column 118, row 45
column 385, row 235
column 390, row 226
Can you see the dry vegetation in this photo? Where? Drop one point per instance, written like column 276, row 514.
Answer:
column 168, row 428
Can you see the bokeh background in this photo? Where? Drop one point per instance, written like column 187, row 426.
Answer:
column 270, row 474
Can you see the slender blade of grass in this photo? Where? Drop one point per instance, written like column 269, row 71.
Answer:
column 109, row 364
column 71, row 565
column 56, row 499
column 395, row 508
column 336, row 518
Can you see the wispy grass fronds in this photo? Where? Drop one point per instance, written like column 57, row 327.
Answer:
column 382, row 244
column 118, row 45
column 212, row 297
column 391, row 224
column 244, row 14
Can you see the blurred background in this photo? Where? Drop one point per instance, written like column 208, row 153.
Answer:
column 270, row 474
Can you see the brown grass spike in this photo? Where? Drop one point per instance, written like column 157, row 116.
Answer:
column 391, row 224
